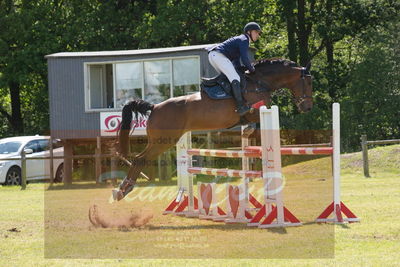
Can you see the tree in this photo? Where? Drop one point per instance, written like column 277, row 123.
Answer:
column 372, row 95
column 32, row 29
column 12, row 25
column 318, row 25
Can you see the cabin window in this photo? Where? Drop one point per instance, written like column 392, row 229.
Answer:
column 111, row 85
column 128, row 80
column 100, row 86
column 157, row 85
column 186, row 76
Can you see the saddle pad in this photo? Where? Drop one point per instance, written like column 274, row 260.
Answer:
column 215, row 92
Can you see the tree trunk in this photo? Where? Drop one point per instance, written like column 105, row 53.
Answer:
column 288, row 7
column 16, row 122
column 329, row 41
column 329, row 49
column 302, row 32
column 329, row 52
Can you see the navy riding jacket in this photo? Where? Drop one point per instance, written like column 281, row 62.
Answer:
column 236, row 48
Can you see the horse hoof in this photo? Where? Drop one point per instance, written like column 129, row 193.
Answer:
column 117, row 195
column 249, row 130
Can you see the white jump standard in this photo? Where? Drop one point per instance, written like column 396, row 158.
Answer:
column 337, row 207
column 185, row 203
column 276, row 214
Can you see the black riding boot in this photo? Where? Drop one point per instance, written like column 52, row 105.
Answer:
column 241, row 108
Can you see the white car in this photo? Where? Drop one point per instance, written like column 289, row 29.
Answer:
column 36, row 169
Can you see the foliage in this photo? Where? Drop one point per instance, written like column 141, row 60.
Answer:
column 353, row 45
column 372, row 96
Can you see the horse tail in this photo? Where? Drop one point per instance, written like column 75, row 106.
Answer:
column 135, row 106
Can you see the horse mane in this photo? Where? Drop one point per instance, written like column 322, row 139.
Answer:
column 275, row 61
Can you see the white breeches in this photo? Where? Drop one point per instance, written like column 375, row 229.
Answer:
column 222, row 64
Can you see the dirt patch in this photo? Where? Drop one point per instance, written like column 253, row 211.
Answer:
column 99, row 218
column 14, row 229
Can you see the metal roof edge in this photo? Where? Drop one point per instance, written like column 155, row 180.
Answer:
column 128, row 52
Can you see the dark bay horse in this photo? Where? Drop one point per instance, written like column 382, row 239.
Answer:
column 170, row 119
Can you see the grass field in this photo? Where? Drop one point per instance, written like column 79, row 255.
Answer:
column 50, row 227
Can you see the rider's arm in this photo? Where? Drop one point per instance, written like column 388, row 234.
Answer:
column 244, row 55
column 236, row 63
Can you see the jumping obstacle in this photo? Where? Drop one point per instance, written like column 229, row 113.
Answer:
column 273, row 213
column 206, row 205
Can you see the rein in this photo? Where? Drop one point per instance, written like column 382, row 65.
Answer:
column 264, row 87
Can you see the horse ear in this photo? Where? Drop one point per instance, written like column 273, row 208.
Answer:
column 308, row 66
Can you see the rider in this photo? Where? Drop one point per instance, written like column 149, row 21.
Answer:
column 225, row 57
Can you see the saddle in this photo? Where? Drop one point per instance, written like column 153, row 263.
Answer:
column 219, row 87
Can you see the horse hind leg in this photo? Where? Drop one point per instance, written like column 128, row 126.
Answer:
column 154, row 148
column 129, row 181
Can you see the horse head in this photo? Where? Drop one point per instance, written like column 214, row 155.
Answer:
column 274, row 74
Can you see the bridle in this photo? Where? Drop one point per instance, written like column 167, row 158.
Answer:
column 262, row 87
column 303, row 74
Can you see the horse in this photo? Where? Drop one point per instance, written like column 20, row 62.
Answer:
column 170, row 119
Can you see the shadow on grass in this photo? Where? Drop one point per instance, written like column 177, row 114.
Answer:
column 230, row 227
column 234, row 227
column 343, row 225
column 222, row 226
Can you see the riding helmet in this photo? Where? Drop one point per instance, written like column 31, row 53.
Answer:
column 251, row 26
